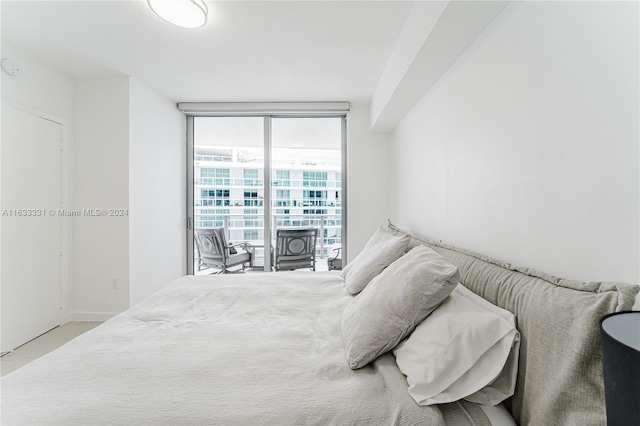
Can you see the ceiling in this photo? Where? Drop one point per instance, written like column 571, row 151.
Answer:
column 249, row 51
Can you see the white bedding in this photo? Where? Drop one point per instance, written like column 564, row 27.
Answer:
column 228, row 350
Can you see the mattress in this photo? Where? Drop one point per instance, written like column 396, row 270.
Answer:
column 261, row 348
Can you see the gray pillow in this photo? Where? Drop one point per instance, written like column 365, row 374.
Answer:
column 380, row 251
column 394, row 302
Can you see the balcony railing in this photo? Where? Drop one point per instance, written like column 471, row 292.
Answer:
column 251, row 182
column 258, row 160
column 332, row 224
column 258, row 202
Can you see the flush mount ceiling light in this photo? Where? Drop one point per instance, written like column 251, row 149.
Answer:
column 183, row 13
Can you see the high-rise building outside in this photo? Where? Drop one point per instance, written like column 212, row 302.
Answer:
column 306, row 191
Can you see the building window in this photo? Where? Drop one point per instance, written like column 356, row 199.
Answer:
column 211, row 218
column 250, row 234
column 251, row 177
column 314, row 198
column 283, row 198
column 251, row 199
column 214, row 172
column 282, row 178
column 214, row 176
column 314, row 179
column 252, row 219
column 215, row 197
column 208, row 156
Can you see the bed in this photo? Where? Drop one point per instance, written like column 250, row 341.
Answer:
column 269, row 348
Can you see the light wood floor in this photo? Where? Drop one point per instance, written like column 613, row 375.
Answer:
column 43, row 344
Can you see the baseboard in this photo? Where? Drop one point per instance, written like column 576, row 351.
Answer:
column 91, row 316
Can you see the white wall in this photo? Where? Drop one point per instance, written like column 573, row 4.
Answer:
column 39, row 86
column 368, row 186
column 100, row 180
column 128, row 152
column 157, row 192
column 527, row 148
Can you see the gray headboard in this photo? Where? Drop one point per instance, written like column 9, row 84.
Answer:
column 560, row 368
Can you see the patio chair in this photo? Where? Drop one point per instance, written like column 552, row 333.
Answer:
column 217, row 253
column 295, row 248
column 334, row 261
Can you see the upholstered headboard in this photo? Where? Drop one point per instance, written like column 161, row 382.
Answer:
column 560, row 368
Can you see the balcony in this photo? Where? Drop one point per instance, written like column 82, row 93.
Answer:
column 249, row 228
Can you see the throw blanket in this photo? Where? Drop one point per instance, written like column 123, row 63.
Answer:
column 249, row 349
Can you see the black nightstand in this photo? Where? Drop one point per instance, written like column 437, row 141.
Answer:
column 620, row 340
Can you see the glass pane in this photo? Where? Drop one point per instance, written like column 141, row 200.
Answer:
column 306, row 179
column 228, row 176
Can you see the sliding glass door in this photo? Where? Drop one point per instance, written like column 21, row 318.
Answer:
column 254, row 175
column 306, row 171
column 228, row 164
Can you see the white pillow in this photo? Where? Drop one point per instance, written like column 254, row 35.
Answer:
column 381, row 250
column 395, row 301
column 467, row 348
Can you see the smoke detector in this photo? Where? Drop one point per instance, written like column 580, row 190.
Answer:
column 10, row 67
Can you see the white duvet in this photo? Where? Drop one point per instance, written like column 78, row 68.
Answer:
column 248, row 349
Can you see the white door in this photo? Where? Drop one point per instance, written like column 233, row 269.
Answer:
column 31, row 263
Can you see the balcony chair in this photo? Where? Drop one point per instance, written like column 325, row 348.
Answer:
column 295, row 248
column 334, row 261
column 216, row 252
